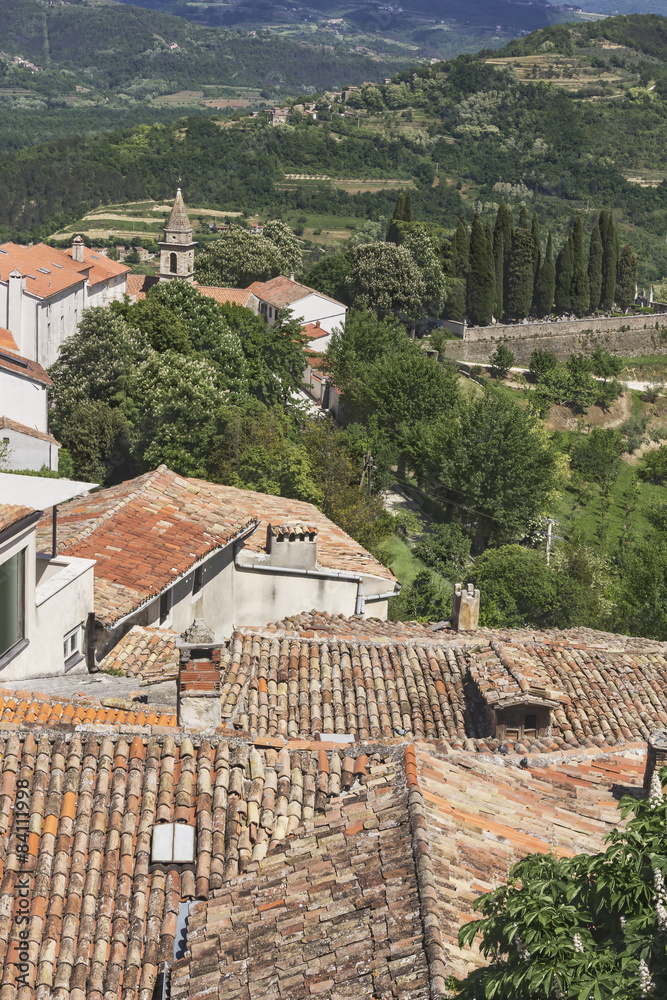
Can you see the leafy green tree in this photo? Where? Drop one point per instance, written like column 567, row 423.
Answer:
column 504, row 224
column 423, row 249
column 541, row 361
column 329, row 276
column 480, row 286
column 273, row 355
column 564, row 272
column 517, row 588
column 238, row 257
column 495, row 461
column 595, row 268
column 288, row 245
column 386, row 279
column 393, row 231
column 96, row 436
column 520, row 280
column 626, row 286
column 501, row 360
column 498, row 261
column 445, row 549
column 654, row 466
column 597, row 456
column 362, row 340
column 523, row 218
column 163, row 329
column 423, row 600
column 537, row 248
column 641, row 600
column 545, row 286
column 582, row 926
column 609, row 239
column 580, row 295
column 461, row 249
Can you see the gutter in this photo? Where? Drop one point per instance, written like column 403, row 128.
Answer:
column 330, row 574
column 181, row 576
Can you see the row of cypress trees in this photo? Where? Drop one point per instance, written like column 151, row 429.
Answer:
column 502, row 271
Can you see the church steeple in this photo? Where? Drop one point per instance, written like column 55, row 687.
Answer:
column 177, row 249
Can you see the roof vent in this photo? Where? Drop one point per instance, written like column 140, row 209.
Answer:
column 173, row 843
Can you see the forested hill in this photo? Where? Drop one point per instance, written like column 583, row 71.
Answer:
column 563, row 130
column 115, row 47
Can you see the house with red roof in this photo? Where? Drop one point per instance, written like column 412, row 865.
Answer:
column 308, row 306
column 44, row 291
column 24, row 404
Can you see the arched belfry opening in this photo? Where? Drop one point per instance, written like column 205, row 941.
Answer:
column 177, row 249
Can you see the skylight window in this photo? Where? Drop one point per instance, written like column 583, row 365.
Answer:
column 43, row 270
column 173, row 843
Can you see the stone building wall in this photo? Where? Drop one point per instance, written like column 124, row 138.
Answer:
column 626, row 336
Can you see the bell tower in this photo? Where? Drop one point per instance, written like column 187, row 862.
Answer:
column 177, row 249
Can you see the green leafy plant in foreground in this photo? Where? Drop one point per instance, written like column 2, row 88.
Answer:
column 589, row 927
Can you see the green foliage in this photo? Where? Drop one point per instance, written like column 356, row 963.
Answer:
column 521, row 275
column 237, row 258
column 589, row 925
column 541, row 361
column 595, row 268
column 96, row 437
column 596, row 457
column 627, row 278
column 329, row 276
column 423, row 600
column 445, row 549
column 501, row 360
column 580, row 295
column 609, row 239
column 385, row 278
column 564, row 272
column 545, row 285
column 573, row 384
column 481, row 278
column 654, row 466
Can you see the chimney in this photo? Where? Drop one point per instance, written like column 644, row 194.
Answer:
column 465, row 608
column 15, row 290
column 656, row 756
column 292, row 546
column 291, row 276
column 198, row 677
column 317, row 324
column 77, row 249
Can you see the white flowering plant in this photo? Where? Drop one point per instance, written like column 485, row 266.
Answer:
column 589, row 926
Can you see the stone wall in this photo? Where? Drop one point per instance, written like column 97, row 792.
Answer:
column 626, row 336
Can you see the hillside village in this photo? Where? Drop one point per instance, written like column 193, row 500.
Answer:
column 332, row 613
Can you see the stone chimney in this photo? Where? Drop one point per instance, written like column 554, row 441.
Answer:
column 292, row 546
column 465, row 608
column 656, row 756
column 77, row 249
column 291, row 276
column 16, row 288
column 198, row 677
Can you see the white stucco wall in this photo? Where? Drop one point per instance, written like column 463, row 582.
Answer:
column 27, row 452
column 309, row 309
column 61, row 603
column 24, row 401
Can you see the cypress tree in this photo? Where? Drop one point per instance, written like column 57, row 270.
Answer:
column 480, row 285
column 498, row 259
column 505, row 225
column 579, row 289
column 407, row 207
column 595, row 268
column 523, row 218
column 609, row 259
column 564, row 269
column 393, row 234
column 537, row 250
column 488, row 232
column 627, row 278
column 520, row 284
column 461, row 248
column 545, row 285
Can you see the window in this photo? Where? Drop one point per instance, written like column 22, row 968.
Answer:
column 173, row 843
column 12, row 601
column 165, row 606
column 73, row 644
column 197, row 580
column 173, row 263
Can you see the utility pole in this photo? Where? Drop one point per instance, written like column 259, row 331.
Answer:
column 550, row 524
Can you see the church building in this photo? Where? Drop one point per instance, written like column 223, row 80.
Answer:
column 177, row 249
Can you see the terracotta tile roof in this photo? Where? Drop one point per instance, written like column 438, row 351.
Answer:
column 145, row 532
column 335, row 913
column 138, row 285
column 11, row 514
column 16, row 364
column 481, row 817
column 103, row 919
column 313, row 331
column 7, row 342
column 101, row 268
column 146, row 653
column 237, row 296
column 281, row 291
column 379, row 680
column 28, row 709
column 48, row 271
column 12, row 425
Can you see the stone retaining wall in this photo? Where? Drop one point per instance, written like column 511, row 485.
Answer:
column 626, row 336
